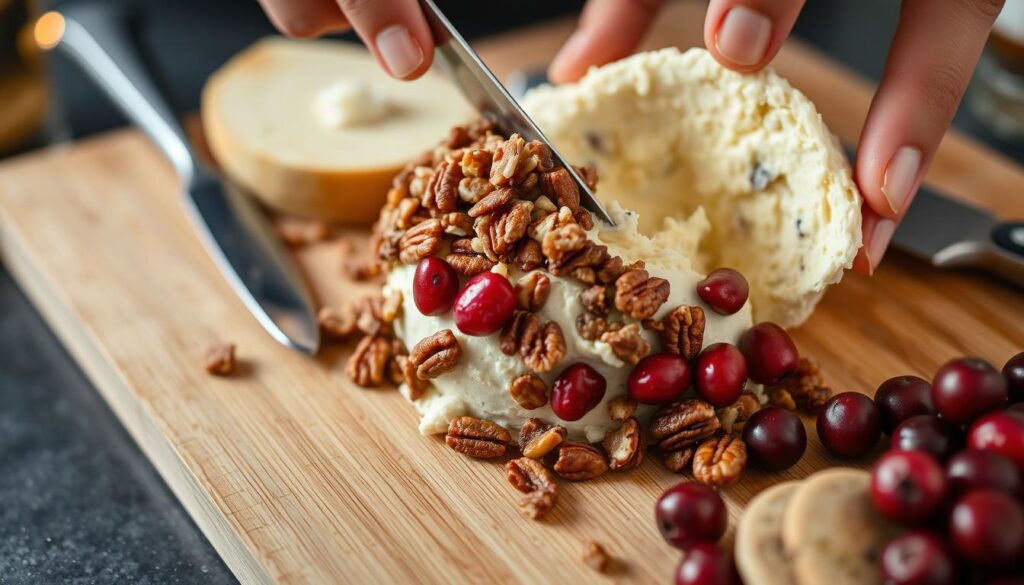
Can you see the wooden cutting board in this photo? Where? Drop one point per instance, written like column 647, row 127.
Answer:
column 296, row 476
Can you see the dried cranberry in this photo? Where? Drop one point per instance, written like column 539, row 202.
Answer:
column 770, row 353
column 690, row 513
column 918, row 558
column 775, row 438
column 434, row 286
column 848, row 424
column 907, row 486
column 706, row 564
column 724, row 290
column 966, row 388
column 485, row 304
column 902, row 397
column 972, row 470
column 1013, row 371
column 1002, row 432
column 659, row 379
column 720, row 374
column 576, row 391
column 987, row 527
column 929, row 433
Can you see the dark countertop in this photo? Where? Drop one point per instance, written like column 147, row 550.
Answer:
column 80, row 502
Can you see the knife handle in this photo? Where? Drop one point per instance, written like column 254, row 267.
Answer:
column 96, row 38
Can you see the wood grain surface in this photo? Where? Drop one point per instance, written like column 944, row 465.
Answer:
column 296, row 476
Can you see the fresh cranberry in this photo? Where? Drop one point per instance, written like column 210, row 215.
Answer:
column 848, row 424
column 966, row 388
column 918, row 558
column 706, row 564
column 659, row 379
column 907, row 486
column 987, row 527
column 929, row 433
column 576, row 391
column 434, row 286
column 485, row 304
column 1013, row 371
column 720, row 374
column 690, row 513
column 973, row 470
column 902, row 397
column 724, row 290
column 1002, row 432
column 771, row 354
column 775, row 438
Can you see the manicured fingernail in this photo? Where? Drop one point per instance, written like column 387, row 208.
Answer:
column 900, row 175
column 879, row 240
column 401, row 53
column 744, row 35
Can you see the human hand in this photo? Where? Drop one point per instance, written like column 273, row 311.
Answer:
column 395, row 31
column 933, row 53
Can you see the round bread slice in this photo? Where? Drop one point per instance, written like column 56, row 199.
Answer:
column 676, row 135
column 760, row 556
column 831, row 531
column 315, row 128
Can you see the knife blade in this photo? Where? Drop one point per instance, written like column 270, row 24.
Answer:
column 231, row 226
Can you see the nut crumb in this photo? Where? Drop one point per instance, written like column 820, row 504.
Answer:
column 595, row 557
column 220, row 359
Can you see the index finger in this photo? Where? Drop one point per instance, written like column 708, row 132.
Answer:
column 744, row 35
column 608, row 30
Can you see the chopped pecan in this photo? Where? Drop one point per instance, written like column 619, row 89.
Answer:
column 457, row 223
column 719, row 461
column 493, row 202
column 420, row 241
column 297, row 233
column 589, row 176
column 545, row 159
column 507, row 160
column 371, row 316
column 570, row 252
column 528, row 255
column 220, row 359
column 611, row 270
column 477, row 438
column 592, row 328
column 476, row 163
column 640, row 295
column 584, row 218
column 579, row 461
column 596, row 299
column 529, row 391
column 532, row 290
column 625, row 445
column 627, row 344
column 416, row 386
column 505, row 228
column 458, row 137
column 546, row 223
column 805, row 387
column 733, row 416
column 561, row 188
column 781, row 397
column 621, row 408
column 336, row 324
column 683, row 423
column 679, row 461
column 407, row 213
column 682, row 331
column 595, row 557
column 472, row 189
column 538, row 438
column 391, row 304
column 436, row 354
column 420, row 178
column 563, row 241
column 367, row 364
column 441, row 192
column 530, row 477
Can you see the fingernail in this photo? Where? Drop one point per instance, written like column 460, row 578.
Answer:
column 744, row 35
column 401, row 53
column 878, row 241
column 900, row 175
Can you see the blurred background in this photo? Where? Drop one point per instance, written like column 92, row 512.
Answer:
column 78, row 501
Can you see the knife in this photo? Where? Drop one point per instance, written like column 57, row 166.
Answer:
column 231, row 226
column 483, row 90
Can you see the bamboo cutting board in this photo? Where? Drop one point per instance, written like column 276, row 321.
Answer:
column 296, row 476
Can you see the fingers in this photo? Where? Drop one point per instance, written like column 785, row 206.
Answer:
column 608, row 30
column 396, row 32
column 744, row 35
column 934, row 51
column 304, row 18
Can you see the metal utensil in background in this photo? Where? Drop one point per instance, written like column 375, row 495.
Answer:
column 232, row 227
column 490, row 98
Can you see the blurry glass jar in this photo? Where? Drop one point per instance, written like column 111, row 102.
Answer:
column 24, row 96
column 997, row 94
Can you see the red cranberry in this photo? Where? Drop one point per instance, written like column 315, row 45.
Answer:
column 987, row 527
column 929, row 433
column 973, row 470
column 690, row 513
column 902, row 397
column 659, row 379
column 720, row 374
column 706, row 564
column 848, row 424
column 771, row 354
column 724, row 290
column 775, row 438
column 907, row 486
column 1013, row 371
column 434, row 286
column 966, row 388
column 485, row 304
column 918, row 558
column 1002, row 432
column 576, row 391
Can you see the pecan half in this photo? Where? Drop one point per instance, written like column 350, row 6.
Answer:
column 621, row 408
column 416, row 386
column 472, row 189
column 679, row 461
column 477, row 438
column 719, row 461
column 436, row 354
column 457, row 223
column 544, row 351
column 683, row 423
column 529, row 391
column 640, row 295
column 596, row 299
column 337, row 324
column 561, row 188
column 507, row 159
column 592, row 328
column 530, row 477
column 579, row 461
column 538, row 438
column 627, row 344
column 807, row 391
column 528, row 255
column 625, row 445
column 492, row 202
column 682, row 331
column 595, row 557
column 441, row 192
column 733, row 416
column 532, row 290
column 465, row 260
column 521, row 325
column 366, row 366
column 220, row 359
column 507, row 227
column 420, row 241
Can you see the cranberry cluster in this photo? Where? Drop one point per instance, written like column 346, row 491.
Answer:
column 693, row 518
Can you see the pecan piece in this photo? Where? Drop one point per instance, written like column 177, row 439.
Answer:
column 530, row 477
column 457, row 223
column 441, row 192
column 627, row 344
column 622, row 408
column 560, row 187
column 465, row 260
column 532, row 290
column 472, row 189
column 640, row 295
column 507, row 160
column 391, row 304
column 733, row 416
column 682, row 331
column 420, row 241
column 625, row 445
column 338, row 324
column 296, row 233
column 528, row 255
column 595, row 557
column 579, row 461
column 522, row 324
column 559, row 243
column 545, row 158
column 683, row 423
column 507, row 227
column 476, row 163
column 529, row 391
column 781, row 397
column 544, row 351
column 596, row 299
column 538, row 438
column 492, row 202
column 719, row 461
column 407, row 213
column 477, row 438
column 805, row 387
column 220, row 359
column 679, row 461
column 415, row 385
column 592, row 328
column 367, row 364
column 436, row 354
